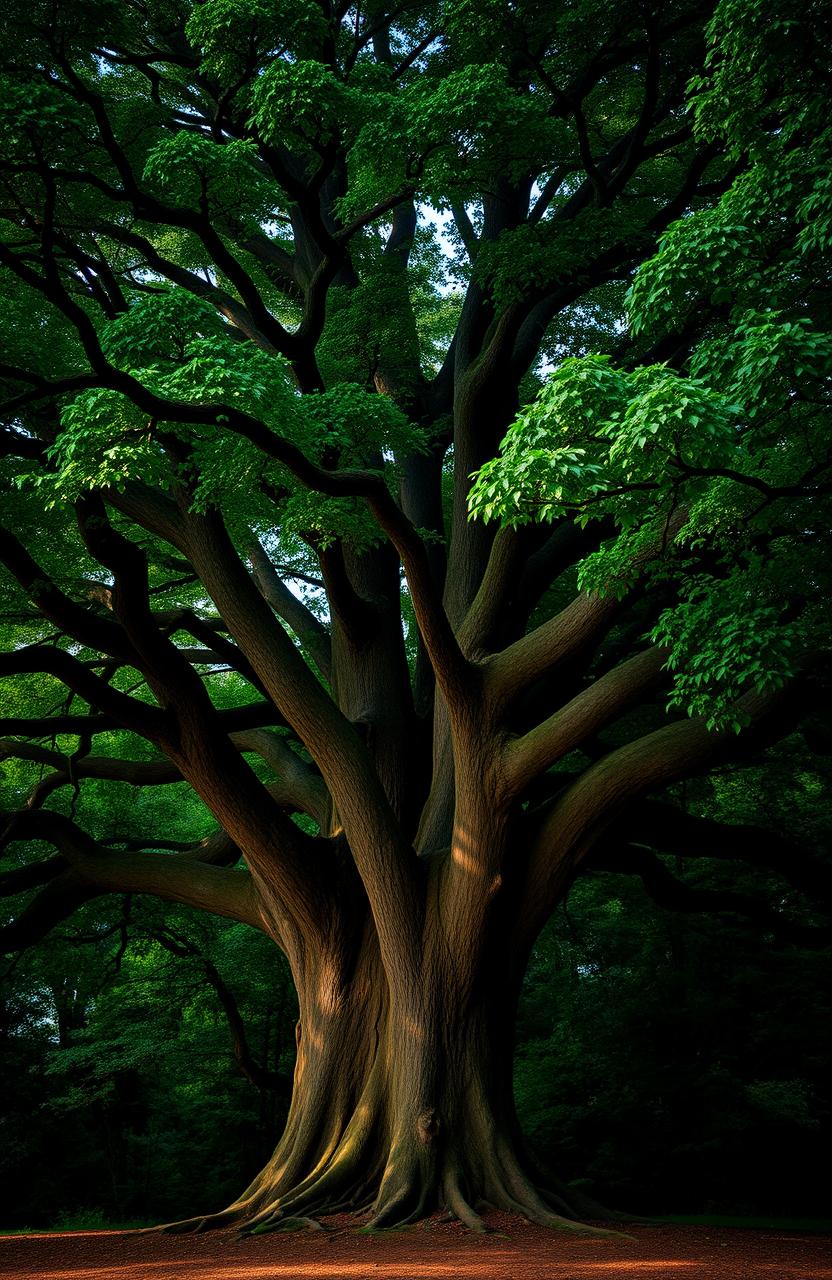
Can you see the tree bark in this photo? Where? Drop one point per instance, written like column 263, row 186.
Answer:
column 392, row 1116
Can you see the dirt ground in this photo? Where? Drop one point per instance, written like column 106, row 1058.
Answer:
column 431, row 1251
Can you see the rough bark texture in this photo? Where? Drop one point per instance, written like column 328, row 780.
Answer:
column 393, row 1118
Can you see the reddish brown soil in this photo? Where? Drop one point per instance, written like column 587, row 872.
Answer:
column 431, row 1251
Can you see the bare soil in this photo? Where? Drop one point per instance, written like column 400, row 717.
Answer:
column 433, row 1250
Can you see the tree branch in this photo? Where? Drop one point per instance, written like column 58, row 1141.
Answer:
column 566, row 634
column 309, row 630
column 97, row 870
column 671, row 830
column 584, row 813
column 591, row 710
column 671, row 892
column 54, row 604
column 552, row 643
column 298, row 786
column 140, row 717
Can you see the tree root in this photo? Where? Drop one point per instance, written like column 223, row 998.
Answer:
column 343, row 1181
column 460, row 1207
column 290, row 1223
column 396, row 1210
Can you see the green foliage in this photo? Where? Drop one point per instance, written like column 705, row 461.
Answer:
column 303, row 98
column 674, row 394
column 188, row 168
column 233, row 34
column 531, row 258
column 713, row 458
column 158, row 327
column 723, row 639
column 177, row 346
column 760, row 64
column 598, row 440
column 143, row 1089
column 676, row 1063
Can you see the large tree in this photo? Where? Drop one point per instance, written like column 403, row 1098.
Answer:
column 280, row 277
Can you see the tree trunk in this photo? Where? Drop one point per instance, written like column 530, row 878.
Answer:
column 395, row 1116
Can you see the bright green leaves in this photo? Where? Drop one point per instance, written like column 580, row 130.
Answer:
column 763, row 58
column 665, row 456
column 190, row 169
column 762, row 236
column 104, row 442
column 599, row 441
column 368, row 326
column 176, row 345
column 700, row 259
column 431, row 133
column 359, row 425
column 235, row 36
column 550, row 453
column 770, row 360
column 618, row 564
column 765, row 101
column 488, row 122
column 815, row 211
column 302, row 98
column 670, row 423
column 222, row 371
column 157, row 328
column 726, row 637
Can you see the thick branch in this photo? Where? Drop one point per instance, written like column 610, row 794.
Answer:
column 309, row 630
column 298, row 786
column 555, row 641
column 671, row 830
column 218, row 890
column 605, row 791
column 671, row 892
column 567, row 634
column 54, row 604
column 20, row 879
column 383, row 858
column 251, row 715
column 138, row 716
column 587, row 713
column 57, row 901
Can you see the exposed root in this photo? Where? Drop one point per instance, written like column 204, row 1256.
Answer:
column 460, row 1207
column 357, row 1174
column 291, row 1223
column 205, row 1222
column 399, row 1209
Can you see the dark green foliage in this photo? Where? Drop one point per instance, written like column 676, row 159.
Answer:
column 680, row 1063
column 146, row 1111
column 675, row 1064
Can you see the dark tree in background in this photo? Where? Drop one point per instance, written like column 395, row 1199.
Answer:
column 416, row 442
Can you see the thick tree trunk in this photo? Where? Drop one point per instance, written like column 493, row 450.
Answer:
column 393, row 1118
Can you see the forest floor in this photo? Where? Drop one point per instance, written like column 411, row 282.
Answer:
column 430, row 1251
